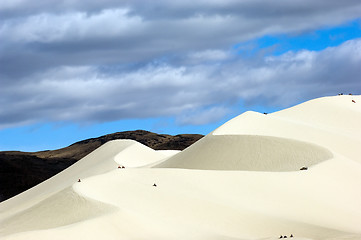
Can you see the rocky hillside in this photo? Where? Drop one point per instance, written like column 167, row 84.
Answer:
column 20, row 171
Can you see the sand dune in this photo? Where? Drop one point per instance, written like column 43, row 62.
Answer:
column 242, row 181
column 63, row 208
column 138, row 155
column 100, row 161
column 339, row 133
column 248, row 152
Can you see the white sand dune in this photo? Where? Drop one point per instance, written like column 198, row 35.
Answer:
column 138, row 155
column 242, row 181
column 324, row 122
column 248, row 152
column 100, row 161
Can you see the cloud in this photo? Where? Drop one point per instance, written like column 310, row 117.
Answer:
column 75, row 26
column 208, row 56
column 195, row 94
column 203, row 116
column 99, row 61
column 112, row 32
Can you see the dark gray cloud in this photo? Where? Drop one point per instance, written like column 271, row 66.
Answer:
column 178, row 8
column 100, row 61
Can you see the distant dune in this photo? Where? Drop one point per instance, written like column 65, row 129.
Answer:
column 20, row 171
column 294, row 172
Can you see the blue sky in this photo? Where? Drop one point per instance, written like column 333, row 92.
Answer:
column 315, row 40
column 72, row 70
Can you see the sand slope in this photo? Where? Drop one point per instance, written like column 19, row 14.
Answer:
column 248, row 152
column 99, row 161
column 63, row 208
column 242, row 181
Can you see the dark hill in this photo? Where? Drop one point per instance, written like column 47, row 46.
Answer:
column 20, row 171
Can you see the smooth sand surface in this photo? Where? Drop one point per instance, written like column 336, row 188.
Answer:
column 242, row 181
column 233, row 152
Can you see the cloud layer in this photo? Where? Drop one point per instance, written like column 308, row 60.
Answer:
column 64, row 61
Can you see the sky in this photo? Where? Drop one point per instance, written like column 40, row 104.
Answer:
column 71, row 70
